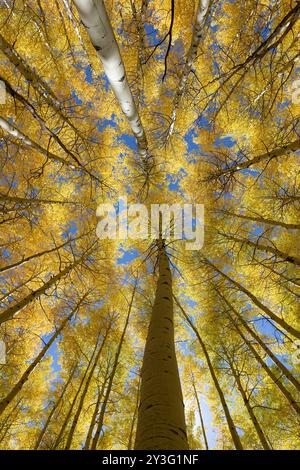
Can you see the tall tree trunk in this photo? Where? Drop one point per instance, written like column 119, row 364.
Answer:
column 96, row 21
column 96, row 410
column 287, row 150
column 259, row 431
column 10, row 312
column 294, row 281
column 264, row 248
column 54, row 408
column 139, row 20
column 26, row 141
column 25, row 376
column 76, row 165
column 134, row 417
column 284, row 370
column 112, row 374
column 269, row 371
column 25, row 260
column 28, row 201
column 16, row 96
column 66, row 35
column 74, row 23
column 161, row 421
column 230, row 422
column 272, row 42
column 85, row 390
column 37, row 82
column 197, row 35
column 78, row 391
column 262, row 220
column 200, row 413
column 9, row 420
column 48, row 95
column 279, row 321
column 29, row 73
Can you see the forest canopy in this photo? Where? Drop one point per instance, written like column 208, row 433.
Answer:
column 141, row 343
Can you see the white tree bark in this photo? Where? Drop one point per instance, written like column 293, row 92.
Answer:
column 17, row 134
column 7, row 127
column 29, row 73
column 95, row 19
column 38, row 83
column 139, row 19
column 73, row 21
column 191, row 56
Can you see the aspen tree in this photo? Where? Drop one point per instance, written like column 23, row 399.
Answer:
column 284, row 370
column 11, row 395
column 26, row 141
column 232, row 428
column 52, row 135
column 28, row 201
column 140, row 19
column 112, row 373
column 66, row 421
column 161, row 420
column 38, row 83
column 200, row 413
column 86, row 387
column 269, row 372
column 264, row 248
column 55, row 407
column 10, row 312
column 9, row 420
column 197, row 35
column 12, row 130
column 24, row 260
column 96, row 21
column 282, row 323
column 258, row 428
column 100, row 395
column 134, row 417
column 262, row 220
column 285, row 150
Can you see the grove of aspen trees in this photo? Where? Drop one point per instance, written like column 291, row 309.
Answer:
column 141, row 343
